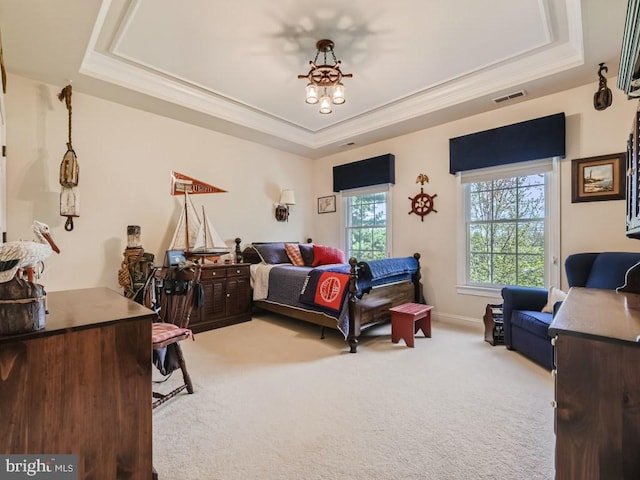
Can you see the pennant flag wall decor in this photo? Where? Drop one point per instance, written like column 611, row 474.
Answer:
column 181, row 183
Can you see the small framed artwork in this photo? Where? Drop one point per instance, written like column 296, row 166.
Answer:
column 600, row 178
column 327, row 204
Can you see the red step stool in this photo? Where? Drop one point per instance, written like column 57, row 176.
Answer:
column 407, row 319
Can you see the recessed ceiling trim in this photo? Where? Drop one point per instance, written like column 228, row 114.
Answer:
column 144, row 79
column 106, row 68
column 500, row 78
column 547, row 62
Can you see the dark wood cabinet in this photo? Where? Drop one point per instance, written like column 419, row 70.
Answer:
column 82, row 385
column 597, row 416
column 227, row 297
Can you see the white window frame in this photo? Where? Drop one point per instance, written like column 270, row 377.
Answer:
column 551, row 167
column 344, row 194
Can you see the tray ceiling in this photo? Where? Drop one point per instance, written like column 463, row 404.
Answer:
column 233, row 66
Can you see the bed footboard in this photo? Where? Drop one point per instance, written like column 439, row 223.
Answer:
column 374, row 307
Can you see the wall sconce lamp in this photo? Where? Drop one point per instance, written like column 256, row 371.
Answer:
column 287, row 197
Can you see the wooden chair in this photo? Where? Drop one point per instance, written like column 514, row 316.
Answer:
column 172, row 293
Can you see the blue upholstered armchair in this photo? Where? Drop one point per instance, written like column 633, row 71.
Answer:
column 526, row 326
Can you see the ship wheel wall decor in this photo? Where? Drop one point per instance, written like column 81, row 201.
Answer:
column 422, row 203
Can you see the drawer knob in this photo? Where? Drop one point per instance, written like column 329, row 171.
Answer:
column 238, row 271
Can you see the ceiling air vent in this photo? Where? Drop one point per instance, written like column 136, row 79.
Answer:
column 510, row 96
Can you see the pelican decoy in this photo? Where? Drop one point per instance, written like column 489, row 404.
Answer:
column 24, row 255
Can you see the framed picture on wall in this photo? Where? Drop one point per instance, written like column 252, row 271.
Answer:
column 598, row 178
column 327, row 204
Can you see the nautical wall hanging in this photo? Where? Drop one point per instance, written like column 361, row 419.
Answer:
column 69, row 172
column 603, row 97
column 422, row 203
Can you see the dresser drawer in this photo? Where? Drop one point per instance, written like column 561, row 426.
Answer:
column 208, row 273
column 239, row 271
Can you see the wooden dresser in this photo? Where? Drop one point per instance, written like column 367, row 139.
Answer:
column 82, row 385
column 597, row 402
column 227, row 297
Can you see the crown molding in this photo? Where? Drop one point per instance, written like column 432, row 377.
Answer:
column 555, row 57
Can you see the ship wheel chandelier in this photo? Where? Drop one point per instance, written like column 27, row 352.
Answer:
column 325, row 81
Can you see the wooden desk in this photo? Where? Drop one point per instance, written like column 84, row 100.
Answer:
column 597, row 385
column 82, row 385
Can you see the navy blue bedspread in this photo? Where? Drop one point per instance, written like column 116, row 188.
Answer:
column 286, row 282
column 385, row 270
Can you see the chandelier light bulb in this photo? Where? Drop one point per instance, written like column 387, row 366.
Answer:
column 338, row 94
column 325, row 104
column 312, row 94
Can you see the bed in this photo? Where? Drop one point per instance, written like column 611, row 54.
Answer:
column 326, row 290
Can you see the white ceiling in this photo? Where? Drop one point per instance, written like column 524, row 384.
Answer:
column 233, row 66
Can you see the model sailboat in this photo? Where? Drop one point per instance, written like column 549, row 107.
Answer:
column 195, row 235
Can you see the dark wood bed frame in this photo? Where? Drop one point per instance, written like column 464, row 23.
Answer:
column 370, row 310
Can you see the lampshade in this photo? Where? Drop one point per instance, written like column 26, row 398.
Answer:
column 287, row 197
column 325, row 104
column 338, row 94
column 312, row 94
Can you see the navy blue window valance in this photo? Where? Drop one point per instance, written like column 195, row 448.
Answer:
column 531, row 140
column 365, row 173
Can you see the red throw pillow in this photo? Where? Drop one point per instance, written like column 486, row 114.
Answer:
column 323, row 255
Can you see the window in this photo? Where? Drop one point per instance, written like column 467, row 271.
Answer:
column 367, row 217
column 510, row 224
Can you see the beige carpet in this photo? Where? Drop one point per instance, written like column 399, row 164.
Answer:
column 273, row 401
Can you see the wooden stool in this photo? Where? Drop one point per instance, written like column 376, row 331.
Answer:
column 407, row 319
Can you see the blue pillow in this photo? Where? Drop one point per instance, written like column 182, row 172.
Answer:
column 306, row 250
column 272, row 253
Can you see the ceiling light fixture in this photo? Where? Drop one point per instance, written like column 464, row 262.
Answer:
column 325, row 80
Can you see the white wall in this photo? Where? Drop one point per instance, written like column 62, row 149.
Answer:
column 125, row 157
column 593, row 226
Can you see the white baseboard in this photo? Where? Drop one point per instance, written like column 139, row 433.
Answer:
column 459, row 320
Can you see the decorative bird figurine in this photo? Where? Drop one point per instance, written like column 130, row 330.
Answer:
column 26, row 255
column 422, row 178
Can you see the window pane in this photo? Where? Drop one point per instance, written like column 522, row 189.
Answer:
column 480, row 187
column 531, row 238
column 530, row 180
column 480, row 268
column 505, row 204
column 480, row 238
column 531, row 270
column 532, row 202
column 504, row 238
column 480, row 206
column 506, row 231
column 504, row 269
column 505, row 183
column 356, row 239
column 367, row 230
